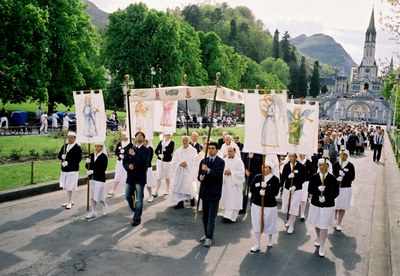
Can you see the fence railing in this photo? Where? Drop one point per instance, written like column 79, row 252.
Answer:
column 394, row 138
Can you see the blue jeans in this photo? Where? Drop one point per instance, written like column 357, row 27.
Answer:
column 210, row 211
column 130, row 190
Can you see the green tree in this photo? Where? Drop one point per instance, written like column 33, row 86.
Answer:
column 303, row 86
column 324, row 89
column 294, row 76
column 73, row 51
column 286, row 48
column 275, row 47
column 233, row 33
column 192, row 14
column 23, row 46
column 278, row 68
column 315, row 84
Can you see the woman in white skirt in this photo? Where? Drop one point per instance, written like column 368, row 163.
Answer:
column 322, row 206
column 151, row 181
column 292, row 179
column 304, row 191
column 269, row 189
column 120, row 173
column 345, row 173
column 97, row 166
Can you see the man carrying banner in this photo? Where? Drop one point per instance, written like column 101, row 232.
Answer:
column 135, row 163
column 211, row 176
column 70, row 155
column 232, row 187
column 183, row 171
column 293, row 177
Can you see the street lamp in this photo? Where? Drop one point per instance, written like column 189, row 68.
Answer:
column 153, row 73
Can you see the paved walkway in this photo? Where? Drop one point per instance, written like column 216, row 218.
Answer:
column 38, row 237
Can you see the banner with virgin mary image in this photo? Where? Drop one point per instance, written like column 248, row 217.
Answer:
column 165, row 113
column 90, row 114
column 265, row 122
column 303, row 121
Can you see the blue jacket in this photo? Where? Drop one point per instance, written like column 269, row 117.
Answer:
column 139, row 173
column 211, row 186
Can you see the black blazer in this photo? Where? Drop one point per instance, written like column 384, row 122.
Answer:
column 74, row 157
column 211, row 186
column 197, row 146
column 118, row 149
column 168, row 150
column 255, row 164
column 330, row 193
column 151, row 153
column 140, row 161
column 349, row 174
column 99, row 167
column 271, row 191
column 309, row 169
column 298, row 179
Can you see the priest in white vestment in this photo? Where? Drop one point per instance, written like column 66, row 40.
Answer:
column 183, row 171
column 232, row 186
column 229, row 143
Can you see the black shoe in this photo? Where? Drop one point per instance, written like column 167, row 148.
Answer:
column 192, row 202
column 135, row 222
column 241, row 212
column 179, row 205
column 226, row 220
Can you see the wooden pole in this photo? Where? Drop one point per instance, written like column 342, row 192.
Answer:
column 186, row 107
column 262, row 197
column 128, row 111
column 290, row 192
column 218, row 75
column 88, row 182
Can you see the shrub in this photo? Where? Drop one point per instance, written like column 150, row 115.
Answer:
column 34, row 154
column 16, row 154
column 50, row 152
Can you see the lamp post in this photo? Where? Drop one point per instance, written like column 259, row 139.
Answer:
column 153, row 73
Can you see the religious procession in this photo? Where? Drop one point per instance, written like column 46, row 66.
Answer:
column 287, row 160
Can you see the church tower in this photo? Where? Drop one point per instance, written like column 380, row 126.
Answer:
column 366, row 77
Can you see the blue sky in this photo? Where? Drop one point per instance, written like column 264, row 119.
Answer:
column 345, row 20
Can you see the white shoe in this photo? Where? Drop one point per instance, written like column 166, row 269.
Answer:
column 270, row 243
column 338, row 228
column 166, row 193
column 303, row 217
column 151, row 199
column 207, row 242
column 321, row 252
column 69, row 205
column 287, row 224
column 111, row 193
column 105, row 210
column 255, row 249
column 65, row 204
column 316, row 243
column 91, row 215
column 290, row 230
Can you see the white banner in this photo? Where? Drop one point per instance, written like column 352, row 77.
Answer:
column 179, row 93
column 303, row 123
column 165, row 116
column 265, row 123
column 142, row 118
column 91, row 121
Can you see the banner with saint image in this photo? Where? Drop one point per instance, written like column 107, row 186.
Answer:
column 142, row 118
column 90, row 114
column 165, row 114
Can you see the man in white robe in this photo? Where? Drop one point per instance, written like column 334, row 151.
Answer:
column 232, row 186
column 183, row 170
column 229, row 143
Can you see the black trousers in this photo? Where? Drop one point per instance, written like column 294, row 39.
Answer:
column 377, row 152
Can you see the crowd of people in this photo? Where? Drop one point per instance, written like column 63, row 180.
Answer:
column 222, row 172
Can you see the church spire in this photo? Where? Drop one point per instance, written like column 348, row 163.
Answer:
column 371, row 31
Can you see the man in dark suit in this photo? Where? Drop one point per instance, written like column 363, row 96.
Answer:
column 211, row 177
column 194, row 143
column 378, row 143
column 135, row 163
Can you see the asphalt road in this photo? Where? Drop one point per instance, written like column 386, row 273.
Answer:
column 39, row 237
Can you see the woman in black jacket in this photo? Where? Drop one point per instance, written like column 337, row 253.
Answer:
column 324, row 189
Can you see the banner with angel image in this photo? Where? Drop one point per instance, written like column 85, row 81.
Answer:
column 142, row 118
column 165, row 114
column 302, row 135
column 266, row 123
column 91, row 119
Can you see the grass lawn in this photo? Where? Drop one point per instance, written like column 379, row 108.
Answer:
column 16, row 174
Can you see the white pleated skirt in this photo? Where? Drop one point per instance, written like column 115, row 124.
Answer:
column 69, row 181
column 294, row 202
column 270, row 219
column 151, row 181
column 163, row 170
column 304, row 193
column 321, row 218
column 344, row 200
column 120, row 172
column 97, row 190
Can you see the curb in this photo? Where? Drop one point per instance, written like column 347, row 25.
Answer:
column 37, row 189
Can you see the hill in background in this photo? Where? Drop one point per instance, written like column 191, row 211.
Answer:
column 324, row 49
column 99, row 17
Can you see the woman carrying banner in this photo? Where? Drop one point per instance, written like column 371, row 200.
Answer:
column 97, row 166
column 323, row 188
column 269, row 188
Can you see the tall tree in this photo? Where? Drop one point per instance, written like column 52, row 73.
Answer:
column 278, row 68
column 192, row 14
column 23, row 47
column 315, row 84
column 233, row 33
column 275, row 46
column 303, row 86
column 72, row 52
column 286, row 48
